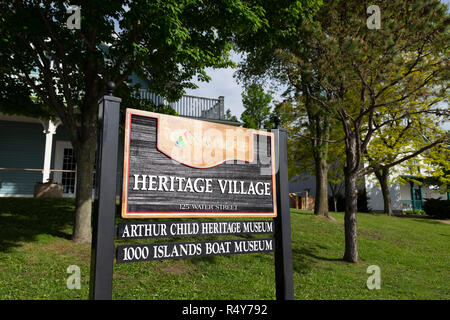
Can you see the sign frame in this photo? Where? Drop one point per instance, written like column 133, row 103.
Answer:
column 104, row 230
column 180, row 214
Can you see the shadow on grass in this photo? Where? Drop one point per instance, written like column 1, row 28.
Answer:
column 305, row 258
column 23, row 219
column 427, row 220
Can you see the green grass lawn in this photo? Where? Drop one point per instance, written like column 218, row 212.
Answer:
column 412, row 253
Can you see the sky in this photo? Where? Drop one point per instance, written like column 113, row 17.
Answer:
column 222, row 83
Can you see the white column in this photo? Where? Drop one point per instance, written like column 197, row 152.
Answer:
column 49, row 130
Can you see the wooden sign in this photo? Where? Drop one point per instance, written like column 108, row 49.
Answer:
column 180, row 250
column 168, row 229
column 179, row 167
column 176, row 167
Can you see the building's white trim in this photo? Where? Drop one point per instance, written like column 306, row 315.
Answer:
column 49, row 130
column 59, row 158
column 14, row 195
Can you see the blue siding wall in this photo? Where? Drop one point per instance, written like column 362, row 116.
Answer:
column 21, row 146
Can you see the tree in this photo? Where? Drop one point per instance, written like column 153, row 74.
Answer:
column 357, row 72
column 396, row 140
column 336, row 173
column 310, row 131
column 229, row 116
column 49, row 70
column 263, row 62
column 257, row 106
column 367, row 70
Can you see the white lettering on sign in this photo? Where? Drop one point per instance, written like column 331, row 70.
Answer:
column 253, row 246
column 181, row 229
column 255, row 227
column 217, row 248
column 144, row 230
column 178, row 250
column 161, row 251
column 199, row 185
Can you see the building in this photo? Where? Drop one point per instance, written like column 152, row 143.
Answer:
column 407, row 195
column 410, row 195
column 35, row 151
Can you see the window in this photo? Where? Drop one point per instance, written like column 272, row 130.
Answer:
column 68, row 178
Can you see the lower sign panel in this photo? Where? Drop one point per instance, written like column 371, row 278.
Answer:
column 180, row 250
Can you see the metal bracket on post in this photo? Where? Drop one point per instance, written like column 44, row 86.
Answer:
column 283, row 244
column 102, row 251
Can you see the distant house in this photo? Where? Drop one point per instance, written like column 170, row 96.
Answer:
column 407, row 196
column 34, row 151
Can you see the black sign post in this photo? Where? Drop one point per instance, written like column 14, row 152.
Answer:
column 102, row 252
column 283, row 246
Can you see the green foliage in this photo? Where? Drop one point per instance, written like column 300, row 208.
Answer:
column 437, row 208
column 417, row 212
column 165, row 42
column 229, row 116
column 282, row 27
column 361, row 78
column 49, row 70
column 257, row 106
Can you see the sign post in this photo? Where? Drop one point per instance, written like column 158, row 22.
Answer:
column 183, row 168
column 102, row 252
column 283, row 246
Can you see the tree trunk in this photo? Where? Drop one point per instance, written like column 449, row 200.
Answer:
column 382, row 177
column 321, row 200
column 351, row 201
column 85, row 156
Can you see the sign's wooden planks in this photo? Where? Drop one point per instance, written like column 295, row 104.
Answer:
column 170, row 229
column 180, row 250
column 179, row 167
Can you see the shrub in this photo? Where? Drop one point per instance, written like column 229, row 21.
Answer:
column 437, row 208
column 418, row 212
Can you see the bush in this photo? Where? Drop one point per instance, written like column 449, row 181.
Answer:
column 437, row 208
column 418, row 212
